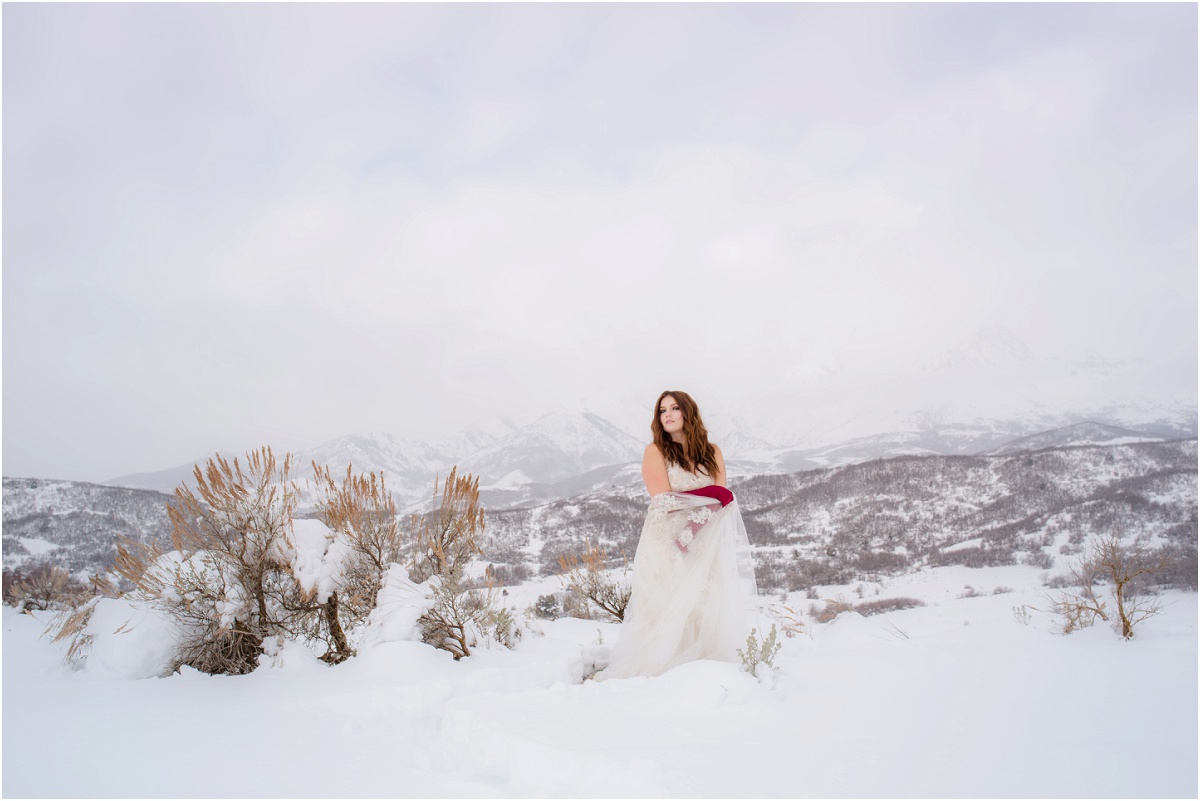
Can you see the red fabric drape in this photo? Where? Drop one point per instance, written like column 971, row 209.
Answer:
column 720, row 493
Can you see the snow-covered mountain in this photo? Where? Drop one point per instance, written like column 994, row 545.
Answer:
column 974, row 397
column 991, row 382
column 554, row 448
column 1021, row 496
column 557, row 455
column 990, row 389
column 889, row 516
column 76, row 525
column 1086, row 433
column 991, row 345
column 563, row 454
column 409, row 466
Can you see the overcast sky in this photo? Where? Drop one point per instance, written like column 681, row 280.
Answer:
column 233, row 225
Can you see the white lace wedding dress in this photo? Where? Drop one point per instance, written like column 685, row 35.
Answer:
column 693, row 584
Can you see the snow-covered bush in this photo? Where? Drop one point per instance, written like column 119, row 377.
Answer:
column 119, row 637
column 345, row 578
column 445, row 543
column 546, row 607
column 228, row 583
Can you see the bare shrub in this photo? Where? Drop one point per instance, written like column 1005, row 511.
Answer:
column 587, row 577
column 1122, row 565
column 800, row 574
column 46, row 587
column 1038, row 558
column 546, row 607
column 885, row 605
column 1077, row 604
column 445, row 543
column 576, row 606
column 1179, row 566
column 832, row 608
column 11, row 576
column 362, row 513
column 974, row 557
column 508, row 575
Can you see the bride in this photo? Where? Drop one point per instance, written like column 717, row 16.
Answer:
column 693, row 578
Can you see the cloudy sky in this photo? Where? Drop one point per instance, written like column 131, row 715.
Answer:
column 233, row 225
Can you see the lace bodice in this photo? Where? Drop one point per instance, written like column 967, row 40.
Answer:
column 682, row 481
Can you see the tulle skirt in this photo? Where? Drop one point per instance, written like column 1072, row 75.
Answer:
column 694, row 594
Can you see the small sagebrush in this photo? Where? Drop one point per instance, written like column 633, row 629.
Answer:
column 759, row 653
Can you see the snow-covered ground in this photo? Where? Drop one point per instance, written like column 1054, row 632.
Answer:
column 956, row 698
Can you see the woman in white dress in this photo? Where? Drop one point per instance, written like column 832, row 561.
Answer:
column 693, row 578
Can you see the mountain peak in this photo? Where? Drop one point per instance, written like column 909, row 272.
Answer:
column 991, row 346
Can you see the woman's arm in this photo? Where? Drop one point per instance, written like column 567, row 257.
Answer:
column 654, row 471
column 719, row 478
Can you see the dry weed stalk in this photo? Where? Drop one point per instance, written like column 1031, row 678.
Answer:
column 71, row 625
column 585, row 575
column 790, row 621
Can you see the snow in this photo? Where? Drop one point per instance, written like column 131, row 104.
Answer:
column 315, row 555
column 965, row 544
column 37, row 547
column 514, row 479
column 142, row 650
column 956, row 698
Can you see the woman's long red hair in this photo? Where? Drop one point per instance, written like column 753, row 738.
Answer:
column 699, row 453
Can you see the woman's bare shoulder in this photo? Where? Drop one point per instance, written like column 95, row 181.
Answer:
column 653, row 450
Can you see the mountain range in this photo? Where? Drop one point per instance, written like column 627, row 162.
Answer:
column 1034, row 502
column 563, row 454
column 984, row 393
